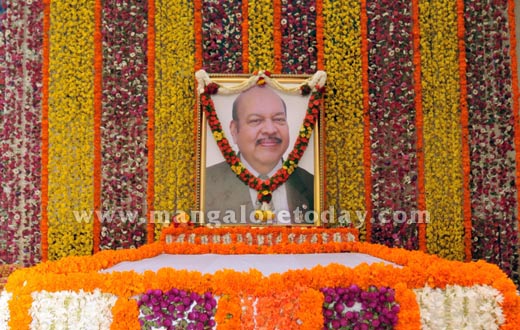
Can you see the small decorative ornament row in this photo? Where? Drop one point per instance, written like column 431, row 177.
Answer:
column 250, row 237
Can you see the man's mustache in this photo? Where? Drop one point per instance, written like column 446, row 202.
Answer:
column 269, row 139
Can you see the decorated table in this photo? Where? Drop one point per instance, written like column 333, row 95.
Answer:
column 253, row 278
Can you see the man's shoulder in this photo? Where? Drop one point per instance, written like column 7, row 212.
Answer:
column 219, row 173
column 219, row 167
column 302, row 174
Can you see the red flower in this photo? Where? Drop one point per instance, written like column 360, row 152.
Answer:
column 211, row 88
column 305, row 89
column 264, row 196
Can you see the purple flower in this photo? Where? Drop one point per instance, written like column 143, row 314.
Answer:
column 339, row 308
column 144, row 298
column 164, row 308
column 343, row 310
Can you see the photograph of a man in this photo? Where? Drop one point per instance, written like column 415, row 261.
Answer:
column 260, row 130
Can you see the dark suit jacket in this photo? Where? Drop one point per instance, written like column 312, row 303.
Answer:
column 225, row 191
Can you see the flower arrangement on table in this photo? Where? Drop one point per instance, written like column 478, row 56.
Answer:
column 419, row 291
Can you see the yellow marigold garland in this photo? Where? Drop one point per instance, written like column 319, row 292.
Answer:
column 260, row 35
column 343, row 106
column 71, row 127
column 174, row 100
column 442, row 134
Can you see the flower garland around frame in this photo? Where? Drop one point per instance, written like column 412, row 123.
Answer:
column 314, row 86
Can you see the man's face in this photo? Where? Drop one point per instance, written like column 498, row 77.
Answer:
column 261, row 131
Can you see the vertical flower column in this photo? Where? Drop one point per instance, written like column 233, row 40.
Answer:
column 174, row 104
column 222, row 36
column 491, row 130
column 442, row 133
column 20, row 114
column 392, row 120
column 298, row 32
column 343, row 108
column 71, row 133
column 515, row 103
column 124, row 122
column 3, row 66
column 261, row 46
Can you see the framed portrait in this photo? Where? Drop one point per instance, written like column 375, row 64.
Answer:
column 260, row 155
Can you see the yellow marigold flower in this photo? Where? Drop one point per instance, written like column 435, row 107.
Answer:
column 269, row 215
column 259, row 215
column 237, row 169
column 218, row 135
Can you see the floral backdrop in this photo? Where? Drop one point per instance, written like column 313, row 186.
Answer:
column 98, row 117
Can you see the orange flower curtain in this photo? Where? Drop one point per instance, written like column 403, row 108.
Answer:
column 98, row 124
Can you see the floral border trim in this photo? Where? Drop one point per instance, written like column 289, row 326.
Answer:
column 417, row 271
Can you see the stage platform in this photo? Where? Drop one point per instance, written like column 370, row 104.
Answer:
column 259, row 278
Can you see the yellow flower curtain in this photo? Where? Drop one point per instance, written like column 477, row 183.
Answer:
column 344, row 109
column 70, row 135
column 420, row 113
column 174, row 152
column 441, row 99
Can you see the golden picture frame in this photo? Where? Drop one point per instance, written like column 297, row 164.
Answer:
column 230, row 190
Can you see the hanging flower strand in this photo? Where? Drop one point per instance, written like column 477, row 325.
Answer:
column 261, row 78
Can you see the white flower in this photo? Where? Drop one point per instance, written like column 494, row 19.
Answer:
column 4, row 309
column 71, row 310
column 458, row 307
